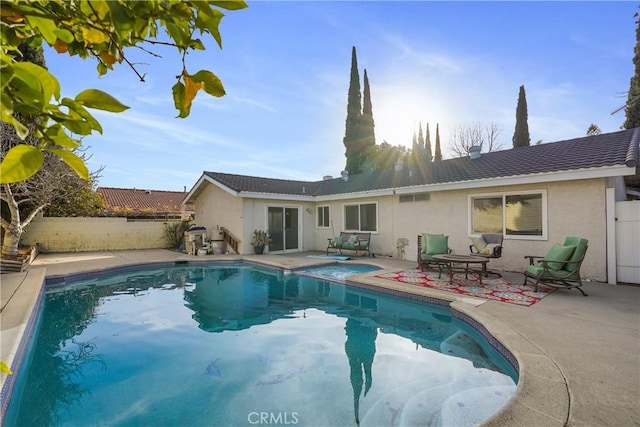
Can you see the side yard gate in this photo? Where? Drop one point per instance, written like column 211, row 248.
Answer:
column 628, row 242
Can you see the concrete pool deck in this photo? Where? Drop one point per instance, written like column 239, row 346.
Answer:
column 579, row 357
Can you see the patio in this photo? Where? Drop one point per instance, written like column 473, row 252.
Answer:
column 579, row 357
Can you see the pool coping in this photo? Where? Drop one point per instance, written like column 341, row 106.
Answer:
column 542, row 394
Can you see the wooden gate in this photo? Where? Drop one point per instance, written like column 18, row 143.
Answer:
column 628, row 241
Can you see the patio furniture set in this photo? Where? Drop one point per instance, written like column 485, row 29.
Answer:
column 558, row 268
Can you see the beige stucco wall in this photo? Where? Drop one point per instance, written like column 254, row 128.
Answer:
column 255, row 217
column 92, row 234
column 575, row 208
column 217, row 208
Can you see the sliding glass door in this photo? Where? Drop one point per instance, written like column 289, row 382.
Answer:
column 283, row 226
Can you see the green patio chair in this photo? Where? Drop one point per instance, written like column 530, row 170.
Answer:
column 430, row 245
column 560, row 267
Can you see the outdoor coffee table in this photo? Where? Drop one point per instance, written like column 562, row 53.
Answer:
column 449, row 260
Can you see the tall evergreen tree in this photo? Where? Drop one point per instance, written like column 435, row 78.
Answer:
column 352, row 135
column 632, row 109
column 366, row 121
column 420, row 137
column 521, row 136
column 438, row 154
column 428, row 156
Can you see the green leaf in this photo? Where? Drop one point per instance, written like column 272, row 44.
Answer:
column 4, row 368
column 82, row 112
column 209, row 19
column 212, row 84
column 21, row 162
column 94, row 98
column 65, row 35
column 45, row 26
column 76, row 163
column 179, row 97
column 230, row 4
column 60, row 138
column 45, row 83
column 8, row 117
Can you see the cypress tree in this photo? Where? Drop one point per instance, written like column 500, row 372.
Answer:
column 420, row 137
column 352, row 129
column 366, row 122
column 438, row 155
column 632, row 109
column 427, row 146
column 521, row 134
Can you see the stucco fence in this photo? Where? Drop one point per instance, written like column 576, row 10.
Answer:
column 93, row 234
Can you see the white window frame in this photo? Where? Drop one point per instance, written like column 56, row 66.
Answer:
column 344, row 217
column 503, row 195
column 318, row 208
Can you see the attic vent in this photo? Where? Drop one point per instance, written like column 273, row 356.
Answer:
column 327, row 177
column 147, row 191
column 420, row 197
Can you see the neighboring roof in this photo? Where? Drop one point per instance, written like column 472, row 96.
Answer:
column 142, row 200
column 611, row 154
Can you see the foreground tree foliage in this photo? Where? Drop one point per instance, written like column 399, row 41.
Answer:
column 99, row 29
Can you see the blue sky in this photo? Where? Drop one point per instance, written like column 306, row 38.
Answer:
column 285, row 67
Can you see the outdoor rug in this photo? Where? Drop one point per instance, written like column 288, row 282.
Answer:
column 492, row 288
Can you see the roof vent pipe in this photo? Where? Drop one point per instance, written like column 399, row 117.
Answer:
column 345, row 175
column 474, row 152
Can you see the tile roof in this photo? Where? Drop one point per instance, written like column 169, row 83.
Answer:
column 138, row 200
column 596, row 151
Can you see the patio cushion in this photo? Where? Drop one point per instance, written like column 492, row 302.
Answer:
column 488, row 249
column 352, row 239
column 336, row 241
column 558, row 253
column 437, row 244
column 581, row 247
column 479, row 243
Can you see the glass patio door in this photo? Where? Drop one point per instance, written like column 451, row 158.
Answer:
column 283, row 227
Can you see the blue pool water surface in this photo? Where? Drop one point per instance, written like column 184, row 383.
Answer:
column 235, row 345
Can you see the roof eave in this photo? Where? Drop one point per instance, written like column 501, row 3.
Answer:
column 197, row 188
column 573, row 175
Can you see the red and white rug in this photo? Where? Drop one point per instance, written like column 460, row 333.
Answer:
column 492, row 288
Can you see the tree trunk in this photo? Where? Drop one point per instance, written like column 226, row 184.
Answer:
column 10, row 243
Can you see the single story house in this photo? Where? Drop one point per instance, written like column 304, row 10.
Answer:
column 534, row 195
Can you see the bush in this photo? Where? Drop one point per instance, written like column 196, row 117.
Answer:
column 173, row 233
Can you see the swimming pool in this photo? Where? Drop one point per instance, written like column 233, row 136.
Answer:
column 336, row 272
column 239, row 345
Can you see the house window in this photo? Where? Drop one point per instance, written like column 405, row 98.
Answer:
column 323, row 216
column 361, row 217
column 516, row 215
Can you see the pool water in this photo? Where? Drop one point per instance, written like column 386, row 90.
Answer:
column 337, row 272
column 233, row 345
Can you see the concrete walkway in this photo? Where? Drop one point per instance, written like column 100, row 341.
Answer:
column 579, row 357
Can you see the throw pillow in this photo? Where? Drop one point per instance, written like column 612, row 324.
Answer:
column 479, row 243
column 558, row 253
column 423, row 242
column 488, row 250
column 437, row 244
column 336, row 241
column 352, row 239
